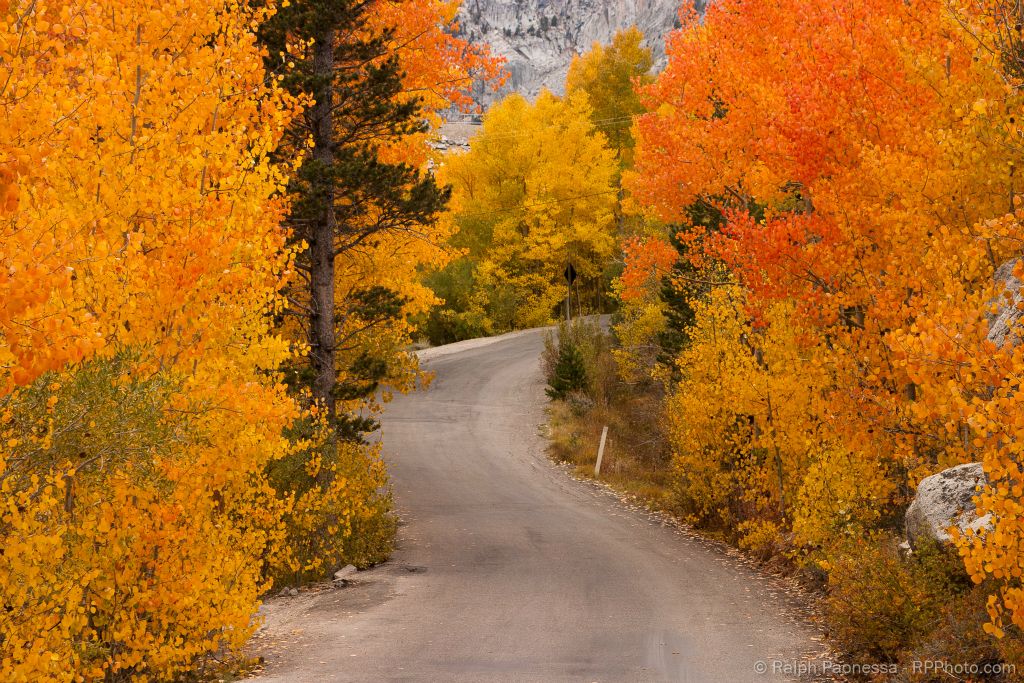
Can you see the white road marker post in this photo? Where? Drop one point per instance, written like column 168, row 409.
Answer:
column 600, row 452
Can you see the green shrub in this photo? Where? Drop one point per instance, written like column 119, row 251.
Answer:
column 887, row 608
column 457, row 318
column 570, row 373
column 584, row 343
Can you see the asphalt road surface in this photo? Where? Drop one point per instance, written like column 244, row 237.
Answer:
column 510, row 570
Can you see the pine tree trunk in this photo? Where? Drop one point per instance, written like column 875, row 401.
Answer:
column 322, row 232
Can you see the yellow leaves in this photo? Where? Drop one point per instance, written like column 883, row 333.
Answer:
column 608, row 75
column 635, row 355
column 739, row 417
column 534, row 193
column 313, row 465
column 114, row 246
column 320, row 519
column 993, row 630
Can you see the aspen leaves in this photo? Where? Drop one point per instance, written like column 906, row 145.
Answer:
column 534, row 193
column 859, row 154
column 139, row 240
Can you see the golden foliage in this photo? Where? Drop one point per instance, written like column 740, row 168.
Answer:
column 863, row 157
column 139, row 403
column 533, row 194
column 609, row 75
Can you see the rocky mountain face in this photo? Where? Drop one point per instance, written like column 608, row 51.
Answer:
column 540, row 37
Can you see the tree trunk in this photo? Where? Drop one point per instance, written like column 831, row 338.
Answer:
column 322, row 232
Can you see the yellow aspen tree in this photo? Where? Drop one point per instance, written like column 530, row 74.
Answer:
column 610, row 75
column 139, row 397
column 534, row 194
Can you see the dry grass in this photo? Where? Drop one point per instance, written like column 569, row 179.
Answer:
column 635, row 456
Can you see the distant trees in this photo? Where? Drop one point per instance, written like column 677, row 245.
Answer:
column 534, row 193
column 610, row 75
column 540, row 188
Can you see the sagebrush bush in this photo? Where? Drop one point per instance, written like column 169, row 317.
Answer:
column 956, row 636
column 132, row 547
column 884, row 606
column 339, row 505
column 879, row 605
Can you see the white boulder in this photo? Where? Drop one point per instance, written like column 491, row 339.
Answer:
column 946, row 500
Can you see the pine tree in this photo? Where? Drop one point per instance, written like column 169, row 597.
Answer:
column 346, row 197
column 570, row 371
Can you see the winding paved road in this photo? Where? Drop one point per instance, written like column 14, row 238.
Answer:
column 509, row 570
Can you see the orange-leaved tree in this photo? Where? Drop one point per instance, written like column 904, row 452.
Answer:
column 141, row 259
column 863, row 156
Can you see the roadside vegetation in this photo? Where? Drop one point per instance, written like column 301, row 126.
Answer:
column 839, row 211
column 199, row 309
column 816, row 309
column 879, row 603
column 587, row 395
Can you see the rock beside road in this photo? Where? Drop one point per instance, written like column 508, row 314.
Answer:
column 345, row 574
column 1002, row 325
column 946, row 500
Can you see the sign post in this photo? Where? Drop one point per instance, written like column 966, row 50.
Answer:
column 600, row 452
column 570, row 277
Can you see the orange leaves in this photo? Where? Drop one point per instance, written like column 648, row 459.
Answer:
column 9, row 192
column 440, row 66
column 140, row 250
column 106, row 165
column 647, row 262
column 863, row 157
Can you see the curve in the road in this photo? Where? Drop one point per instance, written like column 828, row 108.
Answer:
column 508, row 570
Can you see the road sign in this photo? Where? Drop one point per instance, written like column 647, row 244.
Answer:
column 570, row 274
